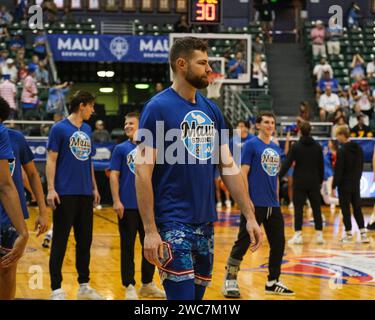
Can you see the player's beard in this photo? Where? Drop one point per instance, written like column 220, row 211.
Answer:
column 197, row 82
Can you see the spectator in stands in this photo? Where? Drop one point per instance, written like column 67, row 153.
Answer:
column 29, row 97
column 22, row 71
column 370, row 70
column 266, row 15
column 50, row 9
column 318, row 34
column 237, row 66
column 10, row 69
column 8, row 91
column 353, row 16
column 56, row 103
column 4, row 55
column 344, row 100
column 68, row 17
column 360, row 130
column 353, row 119
column 259, row 72
column 322, row 66
column 20, row 56
column 100, row 134
column 4, row 34
column 182, row 25
column 327, row 80
column 42, row 75
column 333, row 37
column 159, row 87
column 339, row 121
column 329, row 103
column 304, row 113
column 362, row 95
column 17, row 42
column 357, row 68
column 40, row 45
column 5, row 17
column 20, row 13
column 258, row 46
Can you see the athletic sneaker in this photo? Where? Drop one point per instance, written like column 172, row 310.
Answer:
column 85, row 292
column 371, row 226
column 45, row 243
column 364, row 238
column 319, row 238
column 228, row 204
column 150, row 290
column 58, row 294
column 279, row 288
column 219, row 205
column 131, row 293
column 230, row 289
column 297, row 239
column 347, row 238
column 291, row 206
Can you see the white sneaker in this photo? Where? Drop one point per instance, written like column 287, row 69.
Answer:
column 150, row 290
column 228, row 204
column 346, row 238
column 297, row 238
column 364, row 238
column 58, row 294
column 230, row 289
column 131, row 293
column 219, row 205
column 319, row 238
column 291, row 206
column 85, row 292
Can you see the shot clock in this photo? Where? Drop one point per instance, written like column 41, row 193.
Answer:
column 205, row 11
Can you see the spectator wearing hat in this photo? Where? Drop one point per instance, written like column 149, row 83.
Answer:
column 321, row 67
column 318, row 35
column 8, row 92
column 329, row 103
column 29, row 97
column 10, row 69
column 360, row 130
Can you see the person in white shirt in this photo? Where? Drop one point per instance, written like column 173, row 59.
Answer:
column 370, row 69
column 353, row 119
column 10, row 68
column 328, row 104
column 321, row 67
column 8, row 92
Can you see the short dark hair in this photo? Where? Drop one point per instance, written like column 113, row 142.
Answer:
column 4, row 109
column 78, row 98
column 246, row 123
column 184, row 47
column 305, row 129
column 132, row 115
column 262, row 114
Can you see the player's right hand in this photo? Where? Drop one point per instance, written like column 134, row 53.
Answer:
column 256, row 235
column 11, row 258
column 53, row 199
column 153, row 248
column 119, row 209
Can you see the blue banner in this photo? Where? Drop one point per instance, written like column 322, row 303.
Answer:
column 109, row 48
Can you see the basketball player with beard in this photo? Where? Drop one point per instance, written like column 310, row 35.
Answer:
column 176, row 197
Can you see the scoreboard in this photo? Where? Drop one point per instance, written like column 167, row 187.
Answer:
column 205, row 11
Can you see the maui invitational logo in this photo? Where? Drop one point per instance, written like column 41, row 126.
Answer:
column 130, row 160
column 80, row 145
column 119, row 47
column 270, row 160
column 346, row 267
column 198, row 134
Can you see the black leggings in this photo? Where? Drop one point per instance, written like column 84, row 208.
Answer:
column 299, row 200
column 129, row 225
column 76, row 211
column 274, row 226
column 354, row 198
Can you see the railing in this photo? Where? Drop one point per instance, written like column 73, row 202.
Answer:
column 118, row 27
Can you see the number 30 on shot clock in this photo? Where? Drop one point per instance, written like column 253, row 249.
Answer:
column 205, row 11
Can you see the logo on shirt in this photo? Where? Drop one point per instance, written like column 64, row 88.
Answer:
column 130, row 160
column 12, row 166
column 198, row 134
column 270, row 160
column 80, row 145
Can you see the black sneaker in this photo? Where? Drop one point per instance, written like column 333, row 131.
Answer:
column 371, row 226
column 279, row 288
column 45, row 243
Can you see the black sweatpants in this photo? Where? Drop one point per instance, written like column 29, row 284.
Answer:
column 354, row 198
column 299, row 200
column 274, row 226
column 76, row 211
column 129, row 225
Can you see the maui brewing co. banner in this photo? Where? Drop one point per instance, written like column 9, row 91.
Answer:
column 109, row 48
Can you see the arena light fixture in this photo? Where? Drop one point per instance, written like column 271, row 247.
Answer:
column 106, row 90
column 142, row 86
column 101, row 74
column 109, row 74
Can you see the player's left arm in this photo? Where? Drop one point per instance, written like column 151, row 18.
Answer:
column 42, row 222
column 95, row 190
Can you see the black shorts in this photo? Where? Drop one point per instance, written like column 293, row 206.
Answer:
column 8, row 235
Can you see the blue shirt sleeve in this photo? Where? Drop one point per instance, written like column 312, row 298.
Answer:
column 148, row 129
column 55, row 139
column 247, row 153
column 26, row 155
column 6, row 152
column 116, row 159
